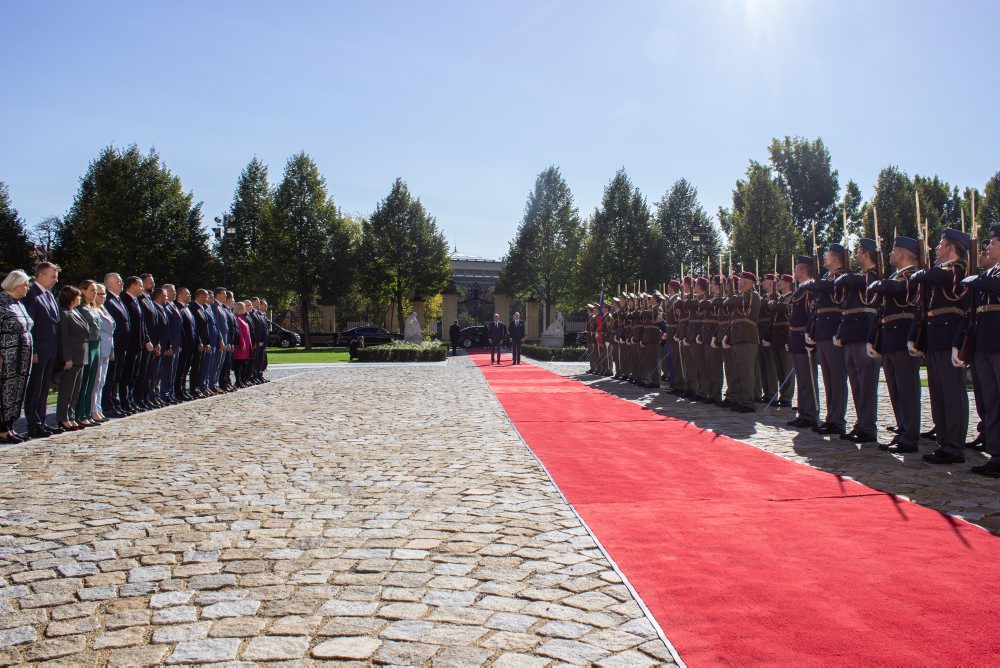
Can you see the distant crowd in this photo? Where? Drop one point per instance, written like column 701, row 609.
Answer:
column 119, row 347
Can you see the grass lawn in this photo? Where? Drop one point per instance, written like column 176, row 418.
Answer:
column 301, row 356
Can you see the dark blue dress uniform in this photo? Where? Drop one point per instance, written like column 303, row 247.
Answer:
column 856, row 326
column 986, row 363
column 825, row 323
column 799, row 317
column 943, row 306
column 902, row 370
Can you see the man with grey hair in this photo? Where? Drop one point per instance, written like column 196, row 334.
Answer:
column 43, row 309
column 110, row 398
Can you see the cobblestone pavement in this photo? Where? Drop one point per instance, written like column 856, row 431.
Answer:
column 950, row 489
column 395, row 518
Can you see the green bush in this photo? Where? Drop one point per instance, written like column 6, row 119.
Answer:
column 547, row 354
column 401, row 351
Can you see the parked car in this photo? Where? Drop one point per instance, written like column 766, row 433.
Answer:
column 478, row 336
column 372, row 335
column 280, row 337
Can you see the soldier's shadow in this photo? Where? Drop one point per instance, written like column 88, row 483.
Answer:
column 947, row 489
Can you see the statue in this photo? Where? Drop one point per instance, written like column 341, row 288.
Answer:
column 555, row 334
column 412, row 331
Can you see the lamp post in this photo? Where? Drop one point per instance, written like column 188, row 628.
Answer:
column 224, row 232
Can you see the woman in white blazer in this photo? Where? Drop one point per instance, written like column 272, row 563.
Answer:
column 106, row 354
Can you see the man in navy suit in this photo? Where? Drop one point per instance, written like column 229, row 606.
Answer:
column 129, row 393
column 516, row 333
column 169, row 365
column 218, row 307
column 189, row 344
column 123, row 331
column 41, row 305
column 149, row 362
column 497, row 332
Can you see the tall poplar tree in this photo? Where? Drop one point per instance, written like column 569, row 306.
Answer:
column 762, row 224
column 15, row 250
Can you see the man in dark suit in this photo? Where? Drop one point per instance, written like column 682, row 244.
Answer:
column 516, row 332
column 162, row 345
column 226, row 381
column 123, row 331
column 149, row 354
column 129, row 393
column 497, row 333
column 455, row 335
column 41, row 305
column 172, row 355
column 189, row 344
column 200, row 353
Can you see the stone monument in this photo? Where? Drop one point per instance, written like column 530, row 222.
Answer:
column 412, row 331
column 555, row 334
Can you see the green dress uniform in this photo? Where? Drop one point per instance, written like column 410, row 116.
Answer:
column 744, row 340
column 777, row 306
column 713, row 349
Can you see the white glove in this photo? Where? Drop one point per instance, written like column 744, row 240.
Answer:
column 685, row 343
column 677, row 339
column 715, row 343
column 871, row 351
column 955, row 361
column 765, row 343
column 697, row 339
column 786, row 348
column 837, row 342
column 911, row 347
column 809, row 340
column 725, row 343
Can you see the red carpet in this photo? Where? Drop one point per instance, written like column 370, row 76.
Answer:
column 746, row 558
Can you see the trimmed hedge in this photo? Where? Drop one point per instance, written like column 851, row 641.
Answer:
column 400, row 351
column 547, row 354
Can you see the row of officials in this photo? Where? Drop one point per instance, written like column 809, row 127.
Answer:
column 737, row 341
column 118, row 347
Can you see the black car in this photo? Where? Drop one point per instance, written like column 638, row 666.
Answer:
column 280, row 337
column 478, row 336
column 372, row 335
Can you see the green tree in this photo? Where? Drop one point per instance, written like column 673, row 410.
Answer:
column 299, row 235
column 131, row 215
column 762, row 224
column 15, row 251
column 619, row 242
column 687, row 234
column 894, row 203
column 988, row 206
column 808, row 181
column 251, row 202
column 403, row 254
column 940, row 204
column 854, row 204
column 542, row 256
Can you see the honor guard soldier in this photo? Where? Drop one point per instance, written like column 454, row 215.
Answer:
column 802, row 351
column 889, row 340
column 729, row 284
column 619, row 332
column 982, row 263
column 986, row 341
column 652, row 339
column 767, row 375
column 784, row 368
column 606, row 366
column 856, row 327
column 672, row 315
column 942, row 312
column 744, row 341
column 823, row 329
column 592, row 338
column 683, row 322
column 693, row 340
column 713, row 350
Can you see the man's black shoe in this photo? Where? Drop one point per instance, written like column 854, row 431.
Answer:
column 53, row 430
column 797, row 422
column 826, row 428
column 929, row 434
column 862, row 437
column 725, row 403
column 781, row 403
column 939, row 456
column 849, row 436
column 39, row 432
column 900, row 448
column 976, row 444
column 892, row 428
column 990, row 469
column 744, row 409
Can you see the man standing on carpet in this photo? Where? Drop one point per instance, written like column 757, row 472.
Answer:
column 672, row 317
column 943, row 305
column 802, row 351
column 825, row 323
column 781, row 358
column 986, row 364
column 516, row 332
column 744, row 342
column 856, row 326
column 496, row 332
column 902, row 370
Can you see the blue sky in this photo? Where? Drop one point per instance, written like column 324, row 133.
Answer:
column 468, row 101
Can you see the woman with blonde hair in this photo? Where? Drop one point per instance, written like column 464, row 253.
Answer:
column 15, row 353
column 106, row 353
column 88, row 295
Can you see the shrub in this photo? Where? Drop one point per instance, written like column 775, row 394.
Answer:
column 549, row 354
column 401, row 351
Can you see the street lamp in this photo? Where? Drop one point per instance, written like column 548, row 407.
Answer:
column 224, row 232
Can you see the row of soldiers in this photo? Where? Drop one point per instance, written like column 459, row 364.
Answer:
column 736, row 341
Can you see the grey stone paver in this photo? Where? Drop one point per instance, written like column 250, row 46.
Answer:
column 381, row 515
column 949, row 489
